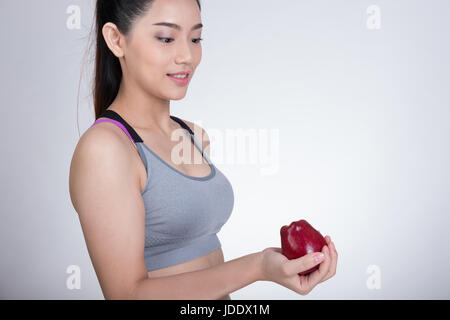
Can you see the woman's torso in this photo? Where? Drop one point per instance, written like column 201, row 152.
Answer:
column 162, row 146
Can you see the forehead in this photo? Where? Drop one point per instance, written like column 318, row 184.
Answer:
column 182, row 12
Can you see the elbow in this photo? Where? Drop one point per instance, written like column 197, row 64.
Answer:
column 129, row 293
column 120, row 296
column 136, row 291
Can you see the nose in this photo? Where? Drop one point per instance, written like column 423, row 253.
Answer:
column 184, row 53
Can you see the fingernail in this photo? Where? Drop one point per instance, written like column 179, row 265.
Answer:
column 318, row 257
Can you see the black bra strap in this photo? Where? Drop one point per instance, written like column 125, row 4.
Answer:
column 115, row 116
column 184, row 125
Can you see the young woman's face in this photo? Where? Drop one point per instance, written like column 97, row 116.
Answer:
column 153, row 51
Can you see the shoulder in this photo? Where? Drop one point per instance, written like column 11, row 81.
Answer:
column 102, row 152
column 204, row 139
column 104, row 137
column 104, row 142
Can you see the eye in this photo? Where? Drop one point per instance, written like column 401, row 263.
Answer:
column 159, row 38
column 198, row 40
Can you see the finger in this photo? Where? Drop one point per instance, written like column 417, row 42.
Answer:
column 333, row 247
column 303, row 263
column 335, row 256
column 324, row 267
column 315, row 277
column 333, row 264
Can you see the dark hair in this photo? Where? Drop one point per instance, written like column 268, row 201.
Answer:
column 108, row 73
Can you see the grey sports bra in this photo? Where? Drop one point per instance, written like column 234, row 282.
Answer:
column 183, row 213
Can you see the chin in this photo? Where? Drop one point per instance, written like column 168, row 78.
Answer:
column 177, row 96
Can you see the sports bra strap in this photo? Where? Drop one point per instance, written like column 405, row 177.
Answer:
column 115, row 118
column 184, row 125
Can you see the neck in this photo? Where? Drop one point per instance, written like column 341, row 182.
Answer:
column 142, row 110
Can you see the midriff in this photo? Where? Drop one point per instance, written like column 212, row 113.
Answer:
column 209, row 260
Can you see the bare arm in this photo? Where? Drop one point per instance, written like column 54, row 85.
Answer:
column 210, row 283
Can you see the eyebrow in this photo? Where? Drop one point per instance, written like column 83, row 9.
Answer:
column 177, row 27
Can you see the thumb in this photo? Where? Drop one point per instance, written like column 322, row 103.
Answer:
column 303, row 263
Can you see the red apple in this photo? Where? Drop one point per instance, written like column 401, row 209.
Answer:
column 299, row 239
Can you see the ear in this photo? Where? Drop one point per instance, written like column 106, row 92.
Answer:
column 114, row 39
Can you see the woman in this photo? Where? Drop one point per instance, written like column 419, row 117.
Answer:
column 149, row 219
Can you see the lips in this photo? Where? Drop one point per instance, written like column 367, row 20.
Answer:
column 179, row 73
column 179, row 81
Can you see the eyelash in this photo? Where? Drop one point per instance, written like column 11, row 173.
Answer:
column 159, row 38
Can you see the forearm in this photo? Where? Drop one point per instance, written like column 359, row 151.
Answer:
column 207, row 284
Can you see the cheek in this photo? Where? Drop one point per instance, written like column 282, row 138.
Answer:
column 149, row 63
column 197, row 56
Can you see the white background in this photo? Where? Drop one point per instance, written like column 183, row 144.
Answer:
column 363, row 119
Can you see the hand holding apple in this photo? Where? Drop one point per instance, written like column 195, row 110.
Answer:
column 279, row 269
column 275, row 265
column 299, row 239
